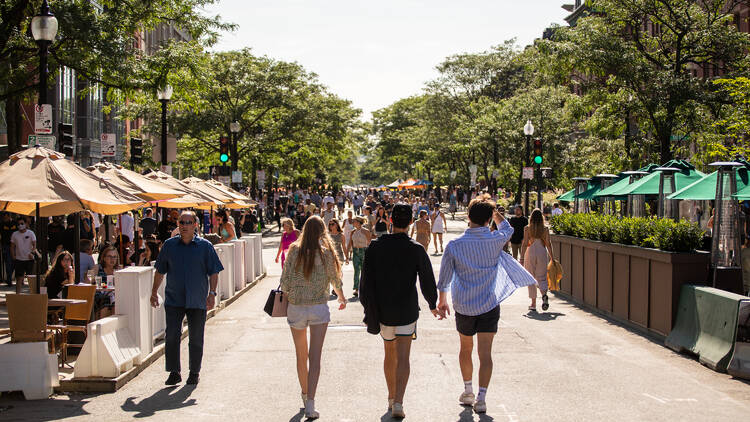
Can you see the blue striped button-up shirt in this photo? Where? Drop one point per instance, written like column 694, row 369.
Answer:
column 480, row 273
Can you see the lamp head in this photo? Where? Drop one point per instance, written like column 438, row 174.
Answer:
column 164, row 93
column 528, row 129
column 44, row 25
column 234, row 127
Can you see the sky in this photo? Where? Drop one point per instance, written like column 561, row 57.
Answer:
column 376, row 52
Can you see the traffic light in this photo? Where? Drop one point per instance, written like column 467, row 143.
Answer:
column 136, row 151
column 538, row 151
column 223, row 149
column 65, row 132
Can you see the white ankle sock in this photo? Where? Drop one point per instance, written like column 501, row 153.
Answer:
column 482, row 393
column 467, row 387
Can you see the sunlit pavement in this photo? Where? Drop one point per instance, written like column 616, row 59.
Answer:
column 561, row 365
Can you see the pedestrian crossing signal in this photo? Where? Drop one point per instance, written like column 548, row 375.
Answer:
column 538, row 151
column 223, row 149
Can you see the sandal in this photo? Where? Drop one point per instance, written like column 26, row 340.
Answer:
column 545, row 302
column 532, row 308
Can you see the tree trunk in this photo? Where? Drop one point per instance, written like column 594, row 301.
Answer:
column 519, row 189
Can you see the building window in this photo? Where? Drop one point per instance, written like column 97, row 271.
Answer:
column 66, row 94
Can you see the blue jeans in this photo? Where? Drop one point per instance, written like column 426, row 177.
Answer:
column 8, row 264
column 196, row 319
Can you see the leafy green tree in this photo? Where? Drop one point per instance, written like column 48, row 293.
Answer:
column 97, row 40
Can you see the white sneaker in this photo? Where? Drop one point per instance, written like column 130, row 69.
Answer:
column 480, row 406
column 398, row 411
column 310, row 412
column 466, row 398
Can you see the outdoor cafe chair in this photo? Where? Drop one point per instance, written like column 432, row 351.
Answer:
column 76, row 317
column 27, row 317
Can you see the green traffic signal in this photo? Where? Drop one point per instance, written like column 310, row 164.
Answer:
column 538, row 159
column 224, row 158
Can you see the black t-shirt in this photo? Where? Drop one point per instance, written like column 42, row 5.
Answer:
column 251, row 222
column 518, row 223
column 68, row 238
column 6, row 231
column 148, row 225
column 55, row 236
column 164, row 230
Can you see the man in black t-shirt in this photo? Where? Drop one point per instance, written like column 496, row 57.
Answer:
column 518, row 222
column 7, row 227
column 54, row 235
column 166, row 227
column 148, row 223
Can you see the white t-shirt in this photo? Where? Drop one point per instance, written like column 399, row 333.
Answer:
column 128, row 226
column 23, row 242
column 97, row 220
column 557, row 211
column 326, row 200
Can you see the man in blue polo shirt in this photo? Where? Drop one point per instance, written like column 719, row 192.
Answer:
column 191, row 265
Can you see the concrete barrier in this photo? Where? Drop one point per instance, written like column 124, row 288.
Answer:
column 132, row 299
column 226, row 277
column 249, row 258
column 28, row 367
column 739, row 365
column 258, row 253
column 706, row 325
column 109, row 349
column 239, row 264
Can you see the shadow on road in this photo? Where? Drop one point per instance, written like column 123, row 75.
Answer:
column 160, row 401
column 299, row 417
column 544, row 316
column 467, row 415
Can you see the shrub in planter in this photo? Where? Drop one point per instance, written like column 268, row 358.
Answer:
column 648, row 232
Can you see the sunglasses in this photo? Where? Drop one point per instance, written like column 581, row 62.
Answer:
column 186, row 223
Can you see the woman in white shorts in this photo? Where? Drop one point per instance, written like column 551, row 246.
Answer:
column 311, row 267
column 438, row 227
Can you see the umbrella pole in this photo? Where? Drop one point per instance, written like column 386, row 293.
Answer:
column 77, row 246
column 40, row 243
column 106, row 229
column 122, row 257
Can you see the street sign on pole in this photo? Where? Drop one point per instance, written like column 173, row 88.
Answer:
column 46, row 141
column 528, row 173
column 43, row 119
column 260, row 175
column 109, row 145
column 237, row 176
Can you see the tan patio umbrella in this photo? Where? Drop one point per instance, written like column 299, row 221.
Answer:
column 135, row 183
column 39, row 181
column 211, row 191
column 239, row 198
column 41, row 177
column 192, row 199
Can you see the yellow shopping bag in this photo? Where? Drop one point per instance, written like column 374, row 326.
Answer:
column 554, row 274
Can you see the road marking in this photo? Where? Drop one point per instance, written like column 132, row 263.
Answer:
column 512, row 416
column 346, row 328
column 662, row 401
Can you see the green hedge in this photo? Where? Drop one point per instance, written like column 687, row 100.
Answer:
column 659, row 233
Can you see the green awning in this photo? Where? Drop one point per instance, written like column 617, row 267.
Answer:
column 743, row 194
column 705, row 188
column 649, row 185
column 613, row 188
column 568, row 196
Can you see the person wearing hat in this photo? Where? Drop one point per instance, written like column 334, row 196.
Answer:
column 389, row 297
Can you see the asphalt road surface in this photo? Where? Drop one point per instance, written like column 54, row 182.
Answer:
column 562, row 365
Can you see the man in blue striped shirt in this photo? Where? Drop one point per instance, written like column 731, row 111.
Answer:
column 480, row 276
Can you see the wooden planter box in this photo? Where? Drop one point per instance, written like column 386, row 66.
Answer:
column 628, row 283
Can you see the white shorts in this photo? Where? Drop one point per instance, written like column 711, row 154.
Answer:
column 389, row 333
column 300, row 316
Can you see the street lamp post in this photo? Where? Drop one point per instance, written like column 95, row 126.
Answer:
column 528, row 130
column 44, row 30
column 234, row 127
column 164, row 94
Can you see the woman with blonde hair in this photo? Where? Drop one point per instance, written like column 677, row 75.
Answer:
column 311, row 267
column 536, row 250
column 289, row 236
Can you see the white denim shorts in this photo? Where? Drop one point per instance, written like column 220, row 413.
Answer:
column 300, row 316
column 389, row 333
